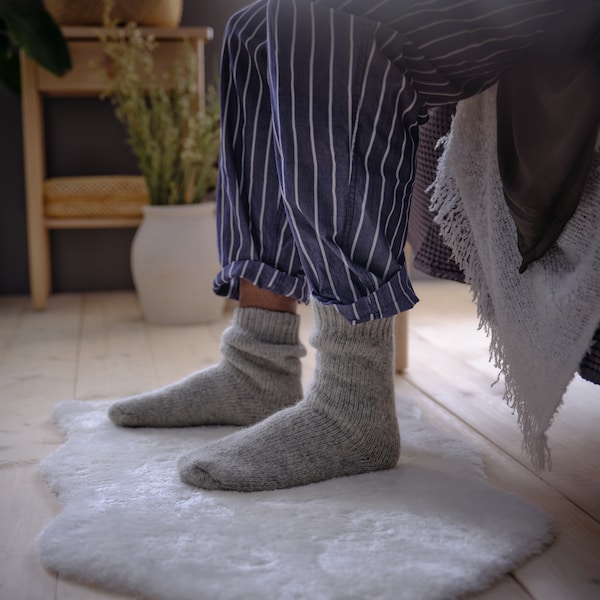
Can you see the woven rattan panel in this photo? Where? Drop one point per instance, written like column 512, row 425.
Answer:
column 100, row 197
column 156, row 13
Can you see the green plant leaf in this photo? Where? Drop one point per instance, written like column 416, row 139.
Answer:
column 30, row 26
column 9, row 64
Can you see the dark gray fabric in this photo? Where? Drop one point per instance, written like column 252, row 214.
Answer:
column 548, row 107
column 430, row 254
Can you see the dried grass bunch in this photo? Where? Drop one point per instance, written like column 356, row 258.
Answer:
column 175, row 138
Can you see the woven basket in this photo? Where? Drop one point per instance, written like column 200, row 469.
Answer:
column 152, row 13
column 88, row 197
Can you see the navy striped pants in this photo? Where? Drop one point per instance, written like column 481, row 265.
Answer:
column 321, row 105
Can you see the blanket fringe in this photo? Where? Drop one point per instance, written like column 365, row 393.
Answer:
column 455, row 228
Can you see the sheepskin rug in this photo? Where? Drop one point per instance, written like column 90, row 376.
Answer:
column 432, row 528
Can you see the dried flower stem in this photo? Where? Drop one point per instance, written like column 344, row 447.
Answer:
column 176, row 142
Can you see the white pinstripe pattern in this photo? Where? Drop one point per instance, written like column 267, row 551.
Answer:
column 249, row 198
column 322, row 101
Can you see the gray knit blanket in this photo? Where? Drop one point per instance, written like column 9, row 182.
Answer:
column 542, row 322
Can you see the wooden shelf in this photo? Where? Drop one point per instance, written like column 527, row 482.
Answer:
column 84, row 79
column 92, row 223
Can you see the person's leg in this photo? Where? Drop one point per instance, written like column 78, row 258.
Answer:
column 254, row 237
column 348, row 96
column 260, row 369
column 346, row 424
column 354, row 81
column 259, row 373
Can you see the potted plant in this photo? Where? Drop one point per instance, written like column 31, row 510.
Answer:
column 176, row 142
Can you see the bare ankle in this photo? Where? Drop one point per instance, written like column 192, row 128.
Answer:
column 255, row 297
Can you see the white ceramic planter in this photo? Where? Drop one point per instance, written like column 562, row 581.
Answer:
column 174, row 259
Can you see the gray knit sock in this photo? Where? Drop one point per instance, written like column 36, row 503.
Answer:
column 259, row 374
column 346, row 424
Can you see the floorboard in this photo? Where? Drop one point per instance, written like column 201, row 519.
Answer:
column 568, row 569
column 97, row 346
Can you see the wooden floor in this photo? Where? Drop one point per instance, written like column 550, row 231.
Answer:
column 97, row 346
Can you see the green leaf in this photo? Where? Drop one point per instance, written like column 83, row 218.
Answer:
column 30, row 26
column 9, row 64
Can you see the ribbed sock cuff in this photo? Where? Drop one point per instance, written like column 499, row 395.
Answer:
column 268, row 325
column 328, row 320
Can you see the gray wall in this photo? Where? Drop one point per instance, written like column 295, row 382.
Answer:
column 82, row 138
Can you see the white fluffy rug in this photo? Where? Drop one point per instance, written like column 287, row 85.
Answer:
column 430, row 529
